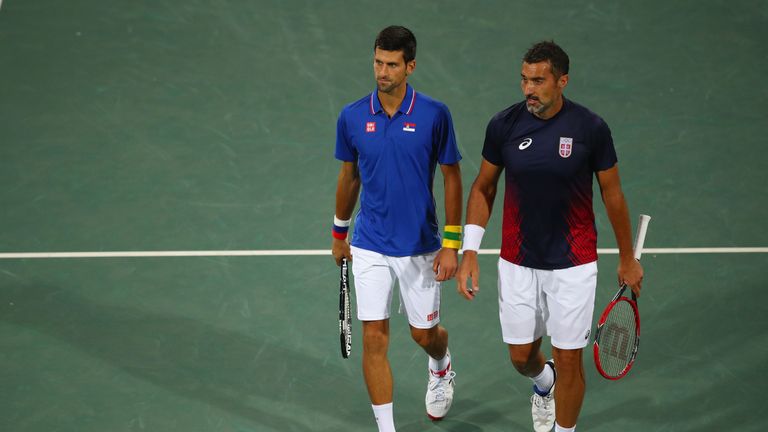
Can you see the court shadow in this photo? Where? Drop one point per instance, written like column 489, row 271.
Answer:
column 495, row 404
column 241, row 374
column 457, row 420
column 675, row 412
column 447, row 424
column 489, row 416
column 468, row 413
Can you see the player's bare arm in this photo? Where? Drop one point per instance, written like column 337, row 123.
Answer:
column 447, row 261
column 630, row 271
column 347, row 191
column 479, row 206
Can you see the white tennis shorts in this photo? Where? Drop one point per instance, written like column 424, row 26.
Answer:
column 375, row 276
column 559, row 303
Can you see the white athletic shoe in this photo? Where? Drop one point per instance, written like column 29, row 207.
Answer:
column 440, row 394
column 543, row 407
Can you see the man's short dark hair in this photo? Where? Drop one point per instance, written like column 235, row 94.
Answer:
column 551, row 52
column 397, row 38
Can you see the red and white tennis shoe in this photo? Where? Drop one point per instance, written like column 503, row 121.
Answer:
column 440, row 393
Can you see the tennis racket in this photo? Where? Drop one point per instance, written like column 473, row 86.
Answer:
column 345, row 320
column 618, row 331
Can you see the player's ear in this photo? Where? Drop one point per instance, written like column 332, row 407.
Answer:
column 562, row 81
column 410, row 66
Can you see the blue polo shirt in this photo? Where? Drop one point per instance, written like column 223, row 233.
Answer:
column 548, row 218
column 396, row 158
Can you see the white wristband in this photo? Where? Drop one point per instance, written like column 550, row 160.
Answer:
column 341, row 223
column 473, row 235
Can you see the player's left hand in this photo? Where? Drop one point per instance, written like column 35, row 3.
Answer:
column 446, row 263
column 631, row 273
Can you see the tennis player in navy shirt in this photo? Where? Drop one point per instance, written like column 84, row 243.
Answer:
column 550, row 147
column 389, row 144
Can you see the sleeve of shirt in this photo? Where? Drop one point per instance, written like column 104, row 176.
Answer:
column 345, row 151
column 603, row 152
column 492, row 144
column 447, row 149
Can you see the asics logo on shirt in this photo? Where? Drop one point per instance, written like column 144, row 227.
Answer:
column 525, row 144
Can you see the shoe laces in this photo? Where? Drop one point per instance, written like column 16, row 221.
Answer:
column 438, row 384
column 541, row 402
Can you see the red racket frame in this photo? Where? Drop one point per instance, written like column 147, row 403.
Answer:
column 596, row 346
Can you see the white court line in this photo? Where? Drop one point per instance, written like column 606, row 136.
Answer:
column 310, row 252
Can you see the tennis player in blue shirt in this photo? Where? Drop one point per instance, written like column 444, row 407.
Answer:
column 551, row 148
column 389, row 144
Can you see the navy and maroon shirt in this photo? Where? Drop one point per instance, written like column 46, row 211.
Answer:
column 548, row 219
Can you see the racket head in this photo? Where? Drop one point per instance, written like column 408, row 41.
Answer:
column 345, row 318
column 617, row 337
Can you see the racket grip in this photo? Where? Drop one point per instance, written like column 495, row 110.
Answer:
column 642, row 229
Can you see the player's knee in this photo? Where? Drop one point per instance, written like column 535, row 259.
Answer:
column 522, row 360
column 567, row 360
column 375, row 343
column 375, row 338
column 423, row 337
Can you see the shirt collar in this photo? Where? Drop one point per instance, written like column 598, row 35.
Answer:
column 406, row 107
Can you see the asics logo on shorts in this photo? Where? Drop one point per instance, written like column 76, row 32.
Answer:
column 525, row 144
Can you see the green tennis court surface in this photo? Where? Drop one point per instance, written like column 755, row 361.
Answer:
column 169, row 125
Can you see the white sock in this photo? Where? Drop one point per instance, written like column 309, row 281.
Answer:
column 440, row 365
column 384, row 417
column 559, row 428
column 545, row 379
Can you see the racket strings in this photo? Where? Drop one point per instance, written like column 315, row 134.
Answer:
column 618, row 338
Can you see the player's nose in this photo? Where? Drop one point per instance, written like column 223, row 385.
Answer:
column 528, row 89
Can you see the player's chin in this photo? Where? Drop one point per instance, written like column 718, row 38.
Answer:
column 534, row 108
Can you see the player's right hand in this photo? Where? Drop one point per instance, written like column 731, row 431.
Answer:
column 630, row 273
column 468, row 268
column 340, row 249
